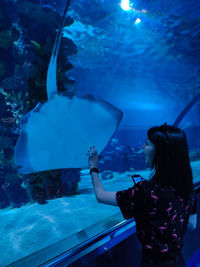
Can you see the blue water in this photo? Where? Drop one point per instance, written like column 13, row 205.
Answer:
column 148, row 70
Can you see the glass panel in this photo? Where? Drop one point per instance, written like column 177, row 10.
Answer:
column 137, row 58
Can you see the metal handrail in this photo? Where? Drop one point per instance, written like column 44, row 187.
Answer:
column 93, row 243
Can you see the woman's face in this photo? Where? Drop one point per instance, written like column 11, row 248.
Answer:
column 149, row 151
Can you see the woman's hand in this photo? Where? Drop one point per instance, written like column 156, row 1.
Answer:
column 93, row 158
column 107, row 197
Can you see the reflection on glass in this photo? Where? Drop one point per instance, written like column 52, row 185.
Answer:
column 109, row 65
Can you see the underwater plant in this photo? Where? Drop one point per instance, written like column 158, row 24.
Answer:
column 24, row 61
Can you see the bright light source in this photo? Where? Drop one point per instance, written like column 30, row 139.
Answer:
column 125, row 5
column 137, row 21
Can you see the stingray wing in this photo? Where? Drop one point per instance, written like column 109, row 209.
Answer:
column 59, row 134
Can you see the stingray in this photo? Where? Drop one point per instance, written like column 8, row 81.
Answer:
column 58, row 133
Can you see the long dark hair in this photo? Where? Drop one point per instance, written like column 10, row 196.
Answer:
column 171, row 160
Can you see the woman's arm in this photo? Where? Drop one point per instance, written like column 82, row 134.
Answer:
column 106, row 197
column 102, row 196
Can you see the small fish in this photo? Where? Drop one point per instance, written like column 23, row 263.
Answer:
column 35, row 44
column 140, row 151
column 85, row 172
column 120, row 148
column 114, row 140
column 24, row 185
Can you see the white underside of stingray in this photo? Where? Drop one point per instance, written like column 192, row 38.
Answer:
column 58, row 133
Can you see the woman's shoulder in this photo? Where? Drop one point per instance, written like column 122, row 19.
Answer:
column 146, row 187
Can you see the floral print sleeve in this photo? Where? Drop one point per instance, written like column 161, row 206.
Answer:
column 132, row 201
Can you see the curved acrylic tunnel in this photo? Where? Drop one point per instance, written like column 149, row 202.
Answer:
column 101, row 74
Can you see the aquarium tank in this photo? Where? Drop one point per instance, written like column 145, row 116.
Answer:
column 74, row 74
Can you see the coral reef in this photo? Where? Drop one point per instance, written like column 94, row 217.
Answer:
column 27, row 34
column 6, row 39
column 45, row 185
column 2, row 70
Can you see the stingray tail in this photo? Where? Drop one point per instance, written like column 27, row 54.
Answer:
column 52, row 68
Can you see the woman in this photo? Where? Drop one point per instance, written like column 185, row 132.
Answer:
column 162, row 206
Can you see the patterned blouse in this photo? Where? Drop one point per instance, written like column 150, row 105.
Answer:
column 161, row 216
